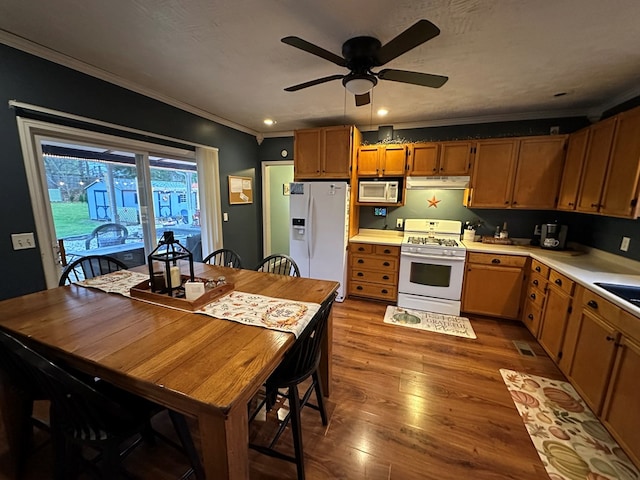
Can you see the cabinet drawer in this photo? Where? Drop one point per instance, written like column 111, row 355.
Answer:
column 540, row 268
column 562, row 282
column 373, row 290
column 385, row 278
column 531, row 317
column 361, row 248
column 386, row 250
column 538, row 282
column 598, row 305
column 536, row 297
column 376, row 263
column 502, row 260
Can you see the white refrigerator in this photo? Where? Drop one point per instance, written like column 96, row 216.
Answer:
column 319, row 229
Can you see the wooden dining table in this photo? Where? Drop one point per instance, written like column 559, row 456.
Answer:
column 203, row 367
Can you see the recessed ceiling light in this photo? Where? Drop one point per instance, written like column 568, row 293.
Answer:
column 269, row 122
column 559, row 94
column 382, row 112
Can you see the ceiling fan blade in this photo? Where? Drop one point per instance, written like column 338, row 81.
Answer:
column 415, row 78
column 315, row 50
column 413, row 36
column 364, row 99
column 311, row 83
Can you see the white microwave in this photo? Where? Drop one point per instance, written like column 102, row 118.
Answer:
column 378, row 191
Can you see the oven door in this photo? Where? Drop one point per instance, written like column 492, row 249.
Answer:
column 431, row 275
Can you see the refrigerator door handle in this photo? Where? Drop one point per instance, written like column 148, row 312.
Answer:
column 310, row 229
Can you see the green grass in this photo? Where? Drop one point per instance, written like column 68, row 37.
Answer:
column 72, row 218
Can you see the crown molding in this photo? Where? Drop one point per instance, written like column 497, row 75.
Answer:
column 614, row 102
column 46, row 53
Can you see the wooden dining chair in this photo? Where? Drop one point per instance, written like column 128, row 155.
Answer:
column 279, row 263
column 89, row 267
column 96, row 415
column 224, row 257
column 299, row 363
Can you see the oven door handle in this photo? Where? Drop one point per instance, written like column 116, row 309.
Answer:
column 431, row 257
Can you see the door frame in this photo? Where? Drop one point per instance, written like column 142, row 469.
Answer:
column 266, row 204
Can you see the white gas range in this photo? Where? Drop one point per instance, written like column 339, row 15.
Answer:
column 432, row 259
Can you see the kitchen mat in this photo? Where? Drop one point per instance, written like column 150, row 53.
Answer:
column 571, row 441
column 432, row 322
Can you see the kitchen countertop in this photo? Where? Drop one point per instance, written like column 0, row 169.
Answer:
column 380, row 237
column 582, row 264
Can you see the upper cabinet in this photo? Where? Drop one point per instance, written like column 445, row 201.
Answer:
column 576, row 150
column 323, row 152
column 441, row 158
column 382, row 160
column 517, row 173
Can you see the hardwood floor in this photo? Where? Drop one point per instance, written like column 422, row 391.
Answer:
column 405, row 405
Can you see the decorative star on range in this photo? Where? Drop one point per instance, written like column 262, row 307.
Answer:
column 433, row 202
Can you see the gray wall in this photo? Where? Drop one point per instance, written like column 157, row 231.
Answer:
column 30, row 79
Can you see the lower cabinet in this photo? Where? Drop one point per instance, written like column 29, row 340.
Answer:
column 493, row 284
column 373, row 271
column 558, row 306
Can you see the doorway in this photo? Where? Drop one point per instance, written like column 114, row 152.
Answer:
column 276, row 177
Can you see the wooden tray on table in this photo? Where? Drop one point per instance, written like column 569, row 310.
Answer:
column 143, row 291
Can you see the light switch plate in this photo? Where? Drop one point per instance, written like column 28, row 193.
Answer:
column 399, row 223
column 624, row 246
column 22, row 241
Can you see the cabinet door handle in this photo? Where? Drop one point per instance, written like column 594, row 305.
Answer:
column 435, row 169
column 570, row 204
column 385, row 277
column 359, row 287
column 361, row 249
column 386, row 264
column 530, row 316
column 592, row 304
column 533, row 296
column 495, row 260
column 535, row 282
column 514, row 203
column 360, row 274
column 558, row 282
column 610, row 338
column 538, row 269
column 384, row 291
column 507, row 202
column 360, row 260
column 386, row 250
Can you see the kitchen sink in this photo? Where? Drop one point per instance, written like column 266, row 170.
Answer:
column 630, row 293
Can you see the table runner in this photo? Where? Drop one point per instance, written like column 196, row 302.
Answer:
column 251, row 309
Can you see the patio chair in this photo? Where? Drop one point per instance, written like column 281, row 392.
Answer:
column 89, row 267
column 279, row 263
column 107, row 235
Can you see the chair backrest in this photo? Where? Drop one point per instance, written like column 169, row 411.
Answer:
column 89, row 267
column 80, row 410
column 108, row 234
column 224, row 257
column 279, row 263
column 304, row 357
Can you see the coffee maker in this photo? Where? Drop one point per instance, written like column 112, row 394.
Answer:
column 553, row 236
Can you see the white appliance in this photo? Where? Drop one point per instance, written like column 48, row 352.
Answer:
column 432, row 260
column 378, row 191
column 319, row 220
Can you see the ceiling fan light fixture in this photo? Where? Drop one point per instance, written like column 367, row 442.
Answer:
column 359, row 85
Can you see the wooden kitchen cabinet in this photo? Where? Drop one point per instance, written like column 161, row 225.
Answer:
column 595, row 165
column 558, row 304
column 373, row 271
column 621, row 413
column 517, row 173
column 574, row 161
column 535, row 297
column 441, row 158
column 324, row 152
column 620, row 194
column 382, row 160
column 493, row 284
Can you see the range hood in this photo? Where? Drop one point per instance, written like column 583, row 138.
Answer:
column 430, row 183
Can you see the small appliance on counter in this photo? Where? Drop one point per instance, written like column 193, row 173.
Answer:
column 553, row 236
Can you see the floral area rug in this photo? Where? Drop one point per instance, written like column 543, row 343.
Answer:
column 432, row 322
column 571, row 441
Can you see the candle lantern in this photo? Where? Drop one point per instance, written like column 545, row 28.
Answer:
column 168, row 252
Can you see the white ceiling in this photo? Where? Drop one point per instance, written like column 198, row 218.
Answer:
column 223, row 59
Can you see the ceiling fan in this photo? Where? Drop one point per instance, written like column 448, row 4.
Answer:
column 361, row 54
